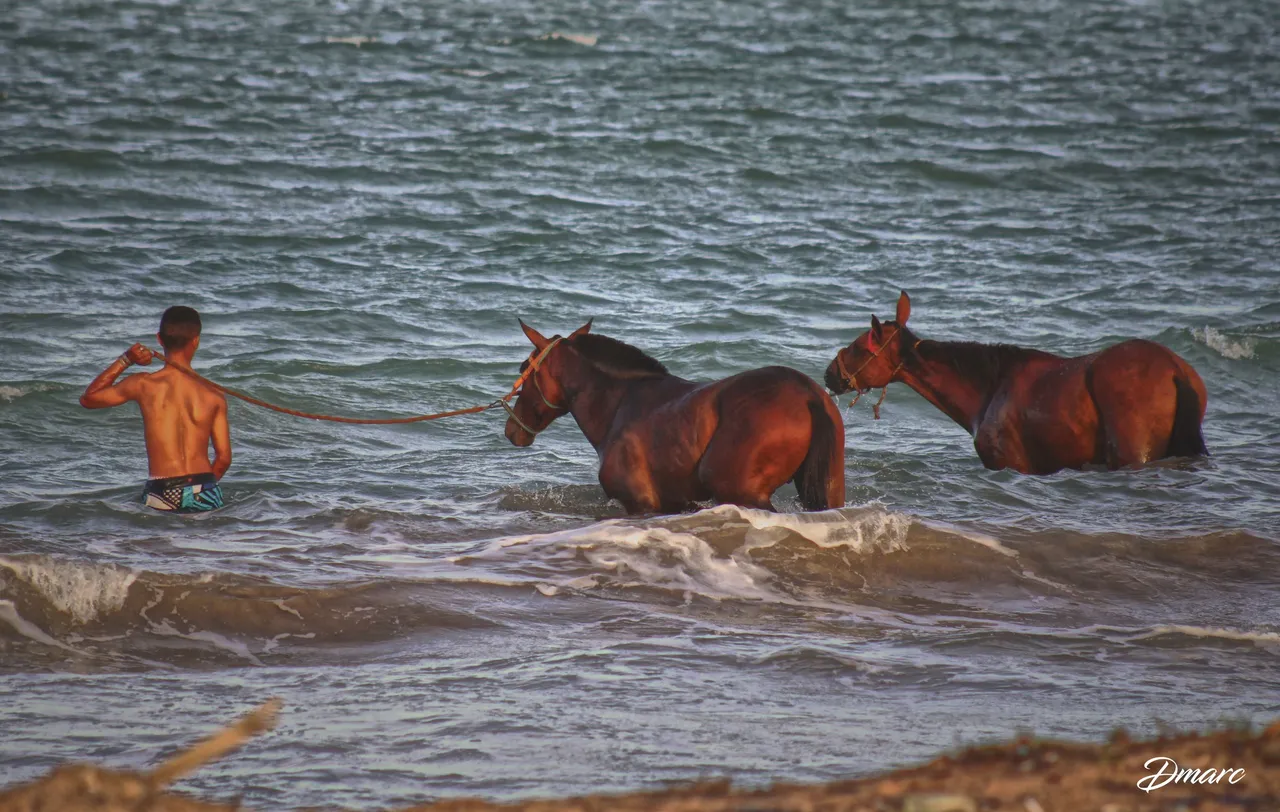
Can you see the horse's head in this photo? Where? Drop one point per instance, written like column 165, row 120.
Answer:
column 872, row 359
column 542, row 397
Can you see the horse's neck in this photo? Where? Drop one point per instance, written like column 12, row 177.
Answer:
column 960, row 377
column 597, row 400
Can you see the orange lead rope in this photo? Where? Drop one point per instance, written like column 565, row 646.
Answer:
column 369, row 421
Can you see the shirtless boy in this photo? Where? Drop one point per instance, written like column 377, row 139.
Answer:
column 180, row 416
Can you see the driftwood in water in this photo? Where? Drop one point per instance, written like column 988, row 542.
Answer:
column 76, row 787
column 1027, row 775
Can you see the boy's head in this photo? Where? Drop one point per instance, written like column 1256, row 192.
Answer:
column 179, row 327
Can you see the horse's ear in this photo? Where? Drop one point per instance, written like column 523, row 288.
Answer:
column 876, row 327
column 539, row 341
column 583, row 330
column 876, row 334
column 904, row 309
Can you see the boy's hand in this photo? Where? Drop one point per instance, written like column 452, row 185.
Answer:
column 140, row 355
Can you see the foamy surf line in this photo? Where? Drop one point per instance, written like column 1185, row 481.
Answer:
column 81, row 589
column 1263, row 639
column 707, row 553
column 9, row 614
column 1269, row 641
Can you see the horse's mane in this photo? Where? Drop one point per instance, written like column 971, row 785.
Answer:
column 616, row 358
column 983, row 362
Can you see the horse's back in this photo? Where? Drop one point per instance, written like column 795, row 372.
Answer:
column 1138, row 360
column 735, row 440
column 773, row 376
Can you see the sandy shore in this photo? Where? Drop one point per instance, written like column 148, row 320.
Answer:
column 1027, row 775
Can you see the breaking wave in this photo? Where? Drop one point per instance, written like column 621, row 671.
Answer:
column 91, row 608
column 1235, row 349
column 11, row 392
column 881, row 566
column 819, row 560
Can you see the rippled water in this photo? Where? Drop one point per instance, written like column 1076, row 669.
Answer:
column 724, row 186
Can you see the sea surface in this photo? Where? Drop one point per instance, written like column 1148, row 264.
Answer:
column 361, row 198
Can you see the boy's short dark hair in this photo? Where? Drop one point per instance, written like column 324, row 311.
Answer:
column 178, row 326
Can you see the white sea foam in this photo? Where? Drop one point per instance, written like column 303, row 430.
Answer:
column 81, row 589
column 9, row 614
column 274, row 643
column 683, row 553
column 580, row 39
column 164, row 629
column 681, row 561
column 862, row 530
column 8, row 393
column 1224, row 346
column 280, row 604
column 637, row 555
column 1263, row 640
column 980, row 539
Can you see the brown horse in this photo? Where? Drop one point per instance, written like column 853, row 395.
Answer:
column 665, row 443
column 1033, row 411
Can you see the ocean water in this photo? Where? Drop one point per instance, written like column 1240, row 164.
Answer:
column 725, row 185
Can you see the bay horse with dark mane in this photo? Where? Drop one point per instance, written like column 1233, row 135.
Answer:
column 1033, row 411
column 665, row 443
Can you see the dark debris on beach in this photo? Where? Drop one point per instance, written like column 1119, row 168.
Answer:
column 1025, row 775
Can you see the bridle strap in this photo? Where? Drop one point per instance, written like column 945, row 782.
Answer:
column 543, row 395
column 531, row 374
column 852, row 380
column 511, row 413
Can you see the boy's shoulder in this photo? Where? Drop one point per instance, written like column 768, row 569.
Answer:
column 173, row 379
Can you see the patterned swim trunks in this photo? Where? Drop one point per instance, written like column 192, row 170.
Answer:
column 195, row 493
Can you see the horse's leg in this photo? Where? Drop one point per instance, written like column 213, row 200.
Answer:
column 625, row 476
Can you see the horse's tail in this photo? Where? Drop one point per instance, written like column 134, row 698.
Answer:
column 1186, row 439
column 820, row 478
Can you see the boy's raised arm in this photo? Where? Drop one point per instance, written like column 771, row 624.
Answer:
column 102, row 392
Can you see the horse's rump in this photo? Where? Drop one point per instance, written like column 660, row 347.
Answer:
column 1150, row 403
column 774, row 425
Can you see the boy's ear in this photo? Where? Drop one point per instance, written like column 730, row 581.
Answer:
column 539, row 341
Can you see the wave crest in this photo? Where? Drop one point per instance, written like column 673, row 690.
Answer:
column 1236, row 350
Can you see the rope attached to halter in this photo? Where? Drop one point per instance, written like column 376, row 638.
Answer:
column 502, row 402
column 852, row 379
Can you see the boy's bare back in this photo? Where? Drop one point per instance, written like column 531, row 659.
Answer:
column 180, row 417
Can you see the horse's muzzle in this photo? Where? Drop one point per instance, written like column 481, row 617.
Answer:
column 834, row 380
column 518, row 436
